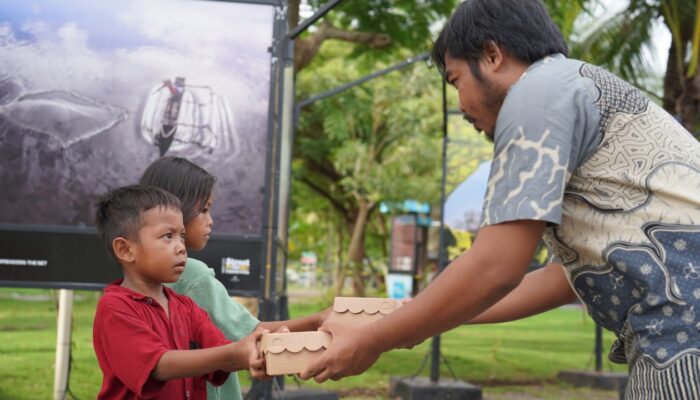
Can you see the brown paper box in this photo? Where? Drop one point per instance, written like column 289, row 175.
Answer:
column 361, row 310
column 291, row 353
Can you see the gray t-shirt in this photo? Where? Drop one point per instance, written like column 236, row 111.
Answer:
column 618, row 181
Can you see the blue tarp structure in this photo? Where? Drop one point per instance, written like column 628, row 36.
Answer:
column 463, row 205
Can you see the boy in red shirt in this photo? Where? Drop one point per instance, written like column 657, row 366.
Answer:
column 151, row 342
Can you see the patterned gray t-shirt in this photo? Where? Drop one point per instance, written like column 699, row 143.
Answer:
column 618, row 181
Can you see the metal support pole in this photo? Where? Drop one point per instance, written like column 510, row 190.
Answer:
column 598, row 348
column 342, row 88
column 63, row 342
column 435, row 363
column 309, row 21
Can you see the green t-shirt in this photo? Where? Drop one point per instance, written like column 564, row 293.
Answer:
column 200, row 284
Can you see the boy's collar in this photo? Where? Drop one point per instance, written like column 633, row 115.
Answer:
column 116, row 287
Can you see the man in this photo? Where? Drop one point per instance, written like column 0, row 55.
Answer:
column 609, row 178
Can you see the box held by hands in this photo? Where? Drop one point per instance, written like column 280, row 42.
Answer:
column 292, row 353
column 362, row 310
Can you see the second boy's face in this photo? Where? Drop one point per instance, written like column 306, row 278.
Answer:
column 199, row 227
column 160, row 254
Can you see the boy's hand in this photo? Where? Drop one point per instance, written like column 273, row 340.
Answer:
column 405, row 301
column 322, row 316
column 245, row 351
column 256, row 361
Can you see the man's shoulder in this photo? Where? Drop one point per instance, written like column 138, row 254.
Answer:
column 548, row 76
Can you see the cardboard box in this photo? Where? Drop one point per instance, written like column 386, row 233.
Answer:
column 361, row 310
column 291, row 353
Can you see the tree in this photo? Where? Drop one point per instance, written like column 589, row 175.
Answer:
column 378, row 142
column 618, row 44
column 372, row 24
column 356, row 149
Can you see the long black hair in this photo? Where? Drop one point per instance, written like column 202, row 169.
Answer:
column 192, row 184
column 521, row 28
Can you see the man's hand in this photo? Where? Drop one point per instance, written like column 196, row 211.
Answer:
column 352, row 352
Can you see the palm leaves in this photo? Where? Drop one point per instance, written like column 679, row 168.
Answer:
column 619, row 43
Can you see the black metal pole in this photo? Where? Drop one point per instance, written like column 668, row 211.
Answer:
column 317, row 15
column 435, row 363
column 342, row 88
column 299, row 105
column 598, row 348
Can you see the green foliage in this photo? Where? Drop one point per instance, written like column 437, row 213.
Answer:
column 618, row 44
column 376, row 142
column 407, row 22
column 566, row 13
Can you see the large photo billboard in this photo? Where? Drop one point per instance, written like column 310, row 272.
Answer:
column 93, row 91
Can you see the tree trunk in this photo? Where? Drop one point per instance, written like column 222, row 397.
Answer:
column 356, row 251
column 293, row 13
column 672, row 83
column 340, row 265
column 384, row 232
column 689, row 104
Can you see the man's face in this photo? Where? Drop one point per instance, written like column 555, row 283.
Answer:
column 479, row 100
column 160, row 254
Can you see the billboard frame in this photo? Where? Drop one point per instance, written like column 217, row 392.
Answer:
column 266, row 238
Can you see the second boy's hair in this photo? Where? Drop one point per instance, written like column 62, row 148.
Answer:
column 521, row 28
column 192, row 184
column 119, row 213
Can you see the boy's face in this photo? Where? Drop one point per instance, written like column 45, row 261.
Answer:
column 199, row 227
column 160, row 254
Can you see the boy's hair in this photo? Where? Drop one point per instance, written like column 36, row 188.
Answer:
column 119, row 212
column 521, row 28
column 192, row 184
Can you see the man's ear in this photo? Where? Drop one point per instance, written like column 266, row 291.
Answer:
column 123, row 249
column 492, row 55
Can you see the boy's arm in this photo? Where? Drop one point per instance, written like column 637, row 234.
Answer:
column 539, row 291
column 183, row 363
column 308, row 323
column 230, row 357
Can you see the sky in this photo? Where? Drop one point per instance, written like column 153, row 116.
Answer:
column 661, row 37
column 91, row 45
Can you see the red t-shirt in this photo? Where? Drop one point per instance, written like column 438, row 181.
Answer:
column 131, row 333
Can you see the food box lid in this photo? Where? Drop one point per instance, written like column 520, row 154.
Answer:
column 368, row 305
column 294, row 342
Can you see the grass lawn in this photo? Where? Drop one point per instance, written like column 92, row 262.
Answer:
column 499, row 357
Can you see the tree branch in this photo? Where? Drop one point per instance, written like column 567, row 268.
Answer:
column 305, row 49
column 335, row 203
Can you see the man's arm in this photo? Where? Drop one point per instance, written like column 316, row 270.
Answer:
column 539, row 291
column 473, row 282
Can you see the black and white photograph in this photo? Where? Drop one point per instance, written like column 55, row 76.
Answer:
column 92, row 92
